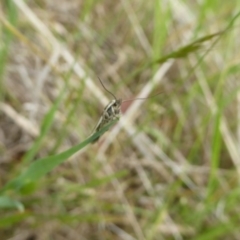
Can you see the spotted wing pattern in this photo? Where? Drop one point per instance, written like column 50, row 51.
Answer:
column 111, row 112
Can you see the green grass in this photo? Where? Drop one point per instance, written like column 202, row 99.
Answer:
column 171, row 172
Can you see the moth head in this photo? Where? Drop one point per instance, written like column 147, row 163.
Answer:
column 117, row 103
column 116, row 107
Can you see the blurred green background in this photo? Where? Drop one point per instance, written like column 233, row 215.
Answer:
column 168, row 169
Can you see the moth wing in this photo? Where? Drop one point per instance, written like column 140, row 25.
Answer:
column 96, row 129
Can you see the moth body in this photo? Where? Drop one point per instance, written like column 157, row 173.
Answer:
column 110, row 113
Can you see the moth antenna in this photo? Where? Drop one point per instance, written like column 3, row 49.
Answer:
column 106, row 88
column 129, row 100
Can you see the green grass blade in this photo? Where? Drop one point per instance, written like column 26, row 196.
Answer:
column 6, row 202
column 188, row 49
column 41, row 167
column 46, row 125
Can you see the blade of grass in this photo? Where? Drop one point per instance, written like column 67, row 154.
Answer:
column 71, row 108
column 6, row 202
column 216, row 151
column 48, row 120
column 41, row 167
column 187, row 49
column 161, row 19
column 46, row 125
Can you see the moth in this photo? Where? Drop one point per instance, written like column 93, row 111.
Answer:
column 112, row 111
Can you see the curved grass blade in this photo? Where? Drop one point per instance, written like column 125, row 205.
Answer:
column 6, row 202
column 41, row 167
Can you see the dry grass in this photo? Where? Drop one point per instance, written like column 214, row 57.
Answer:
column 169, row 169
